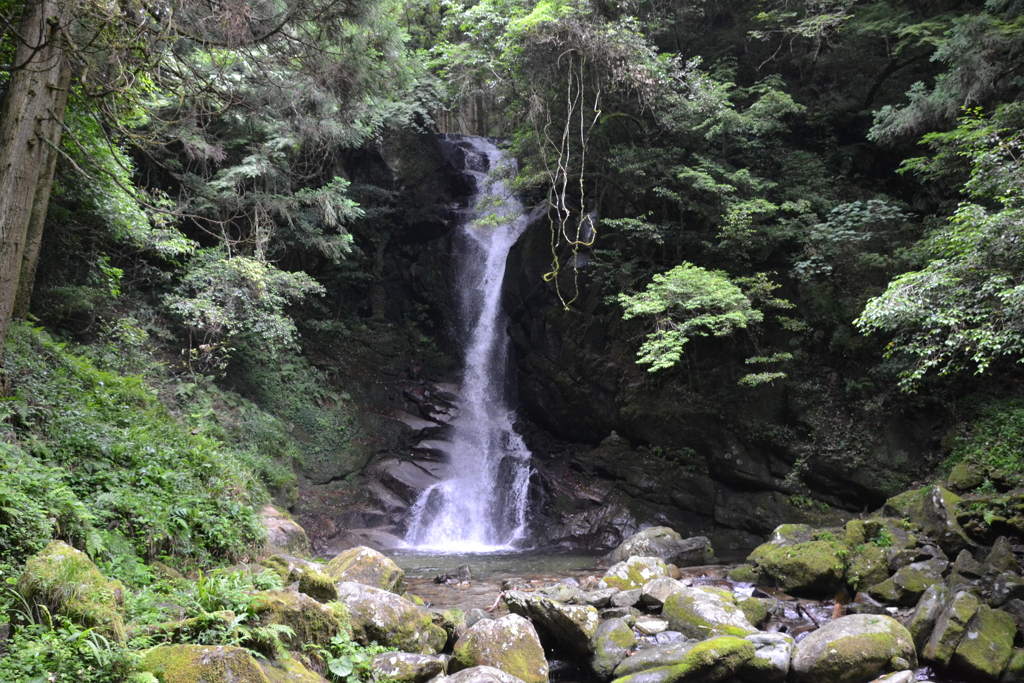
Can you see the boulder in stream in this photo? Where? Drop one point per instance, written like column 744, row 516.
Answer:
column 382, row 616
column 667, row 544
column 854, row 649
column 368, row 567
column 705, row 612
column 403, row 667
column 572, row 626
column 633, row 573
column 715, row 659
column 509, row 643
column 614, row 638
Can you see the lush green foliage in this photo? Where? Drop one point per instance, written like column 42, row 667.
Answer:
column 60, row 652
column 994, row 445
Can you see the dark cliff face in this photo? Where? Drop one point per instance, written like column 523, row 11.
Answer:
column 688, row 445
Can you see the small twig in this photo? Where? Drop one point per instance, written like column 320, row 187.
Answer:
column 497, row 602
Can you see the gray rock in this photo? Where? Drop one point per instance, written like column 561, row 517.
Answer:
column 654, row 657
column 626, row 598
column 665, row 543
column 650, row 626
column 987, row 645
column 934, row 510
column 380, row 615
column 907, row 585
column 853, row 649
column 562, row 593
column 481, row 674
column 666, row 637
column 771, row 660
column 1001, row 556
column 654, row 592
column 405, row 667
column 572, row 626
column 634, row 573
column 705, row 612
column 1006, row 586
column 509, row 643
column 599, row 598
column 627, row 614
column 474, row 615
column 949, row 628
column 922, row 620
column 613, row 640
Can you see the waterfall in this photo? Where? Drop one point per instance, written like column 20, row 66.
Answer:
column 482, row 505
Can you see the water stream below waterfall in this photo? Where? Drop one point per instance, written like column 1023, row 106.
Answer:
column 481, row 505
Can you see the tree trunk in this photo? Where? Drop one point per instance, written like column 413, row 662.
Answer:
column 30, row 107
column 52, row 129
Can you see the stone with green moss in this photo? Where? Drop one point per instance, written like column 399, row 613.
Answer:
column 702, row 613
column 289, row 567
column 288, row 670
column 202, row 664
column 755, row 609
column 312, row 623
column 318, row 586
column 654, row 657
column 771, row 660
column 933, row 509
column 987, row 645
column 633, row 573
column 965, row 476
column 283, row 532
column 66, row 582
column 614, row 638
column 867, row 566
column 907, row 585
column 381, row 616
column 510, row 644
column 856, row 534
column 927, row 611
column 854, row 649
column 812, row 569
column 569, row 626
column 1014, row 671
column 403, row 667
column 715, row 659
column 368, row 567
column 745, row 573
column 949, row 628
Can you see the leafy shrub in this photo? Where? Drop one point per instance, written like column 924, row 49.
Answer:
column 995, row 443
column 64, row 653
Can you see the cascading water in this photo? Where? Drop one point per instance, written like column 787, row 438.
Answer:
column 481, row 507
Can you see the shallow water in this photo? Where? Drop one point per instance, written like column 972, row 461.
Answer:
column 498, row 565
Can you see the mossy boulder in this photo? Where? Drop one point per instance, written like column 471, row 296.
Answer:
column 987, row 645
column 1014, row 672
column 368, row 567
column 933, row 509
column 755, row 609
column 66, row 582
column 712, row 660
column 965, row 476
column 811, row 569
column 703, row 613
column 317, row 585
column 634, row 572
column 867, row 566
column 381, row 616
column 289, row 567
column 569, row 626
column 907, row 585
column 949, row 628
column 854, row 649
column 404, row 667
column 655, row 657
column 922, row 619
column 313, row 623
column 481, row 674
column 771, row 660
column 667, row 544
column 509, row 643
column 614, row 638
column 283, row 532
column 288, row 670
column 202, row 664
column 744, row 573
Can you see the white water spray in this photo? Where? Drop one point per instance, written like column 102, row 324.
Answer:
column 481, row 507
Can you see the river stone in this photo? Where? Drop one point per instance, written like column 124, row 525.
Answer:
column 756, row 610
column 382, row 616
column 404, row 667
column 703, row 613
column 191, row 663
column 854, row 649
column 1006, row 586
column 650, row 626
column 562, row 593
column 867, row 567
column 709, row 661
column 599, row 598
column 65, row 581
column 656, row 657
column 613, row 640
column 907, row 585
column 474, row 615
column 987, row 645
column 922, row 620
column 934, row 510
column 317, row 585
column 627, row 614
column 663, row 542
column 288, row 670
column 812, row 569
column 655, row 591
column 312, row 622
column 1001, row 556
column 949, row 628
column 770, row 663
column 368, row 567
column 626, row 598
column 572, row 626
column 481, row 674
column 283, row 533
column 509, row 643
column 634, row 572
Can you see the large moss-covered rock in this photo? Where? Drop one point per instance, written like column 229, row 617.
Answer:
column 289, row 567
column 927, row 611
column 481, row 674
column 368, row 567
column 571, row 626
column 655, row 592
column 283, row 533
column 403, row 667
column 756, row 610
column 949, row 628
column 703, row 613
column 656, row 657
column 634, row 572
column 318, row 585
column 312, row 623
column 811, row 569
column 771, row 660
column 510, row 644
column 934, row 510
column 987, row 645
column 667, row 544
column 867, row 566
column 288, row 670
column 66, row 582
column 906, row 586
column 614, row 638
column 381, row 616
column 715, row 659
column 854, row 649
column 202, row 664
column 1014, row 671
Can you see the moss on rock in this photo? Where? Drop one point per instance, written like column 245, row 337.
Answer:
column 633, row 573
column 700, row 613
column 754, row 609
column 510, row 644
column 866, row 567
column 368, row 567
column 854, row 649
column 317, row 585
column 715, row 659
column 313, row 623
column 812, row 569
column 987, row 645
column 66, row 582
column 288, row 670
column 202, row 664
column 614, row 638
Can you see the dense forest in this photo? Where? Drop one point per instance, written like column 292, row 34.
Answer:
column 775, row 252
